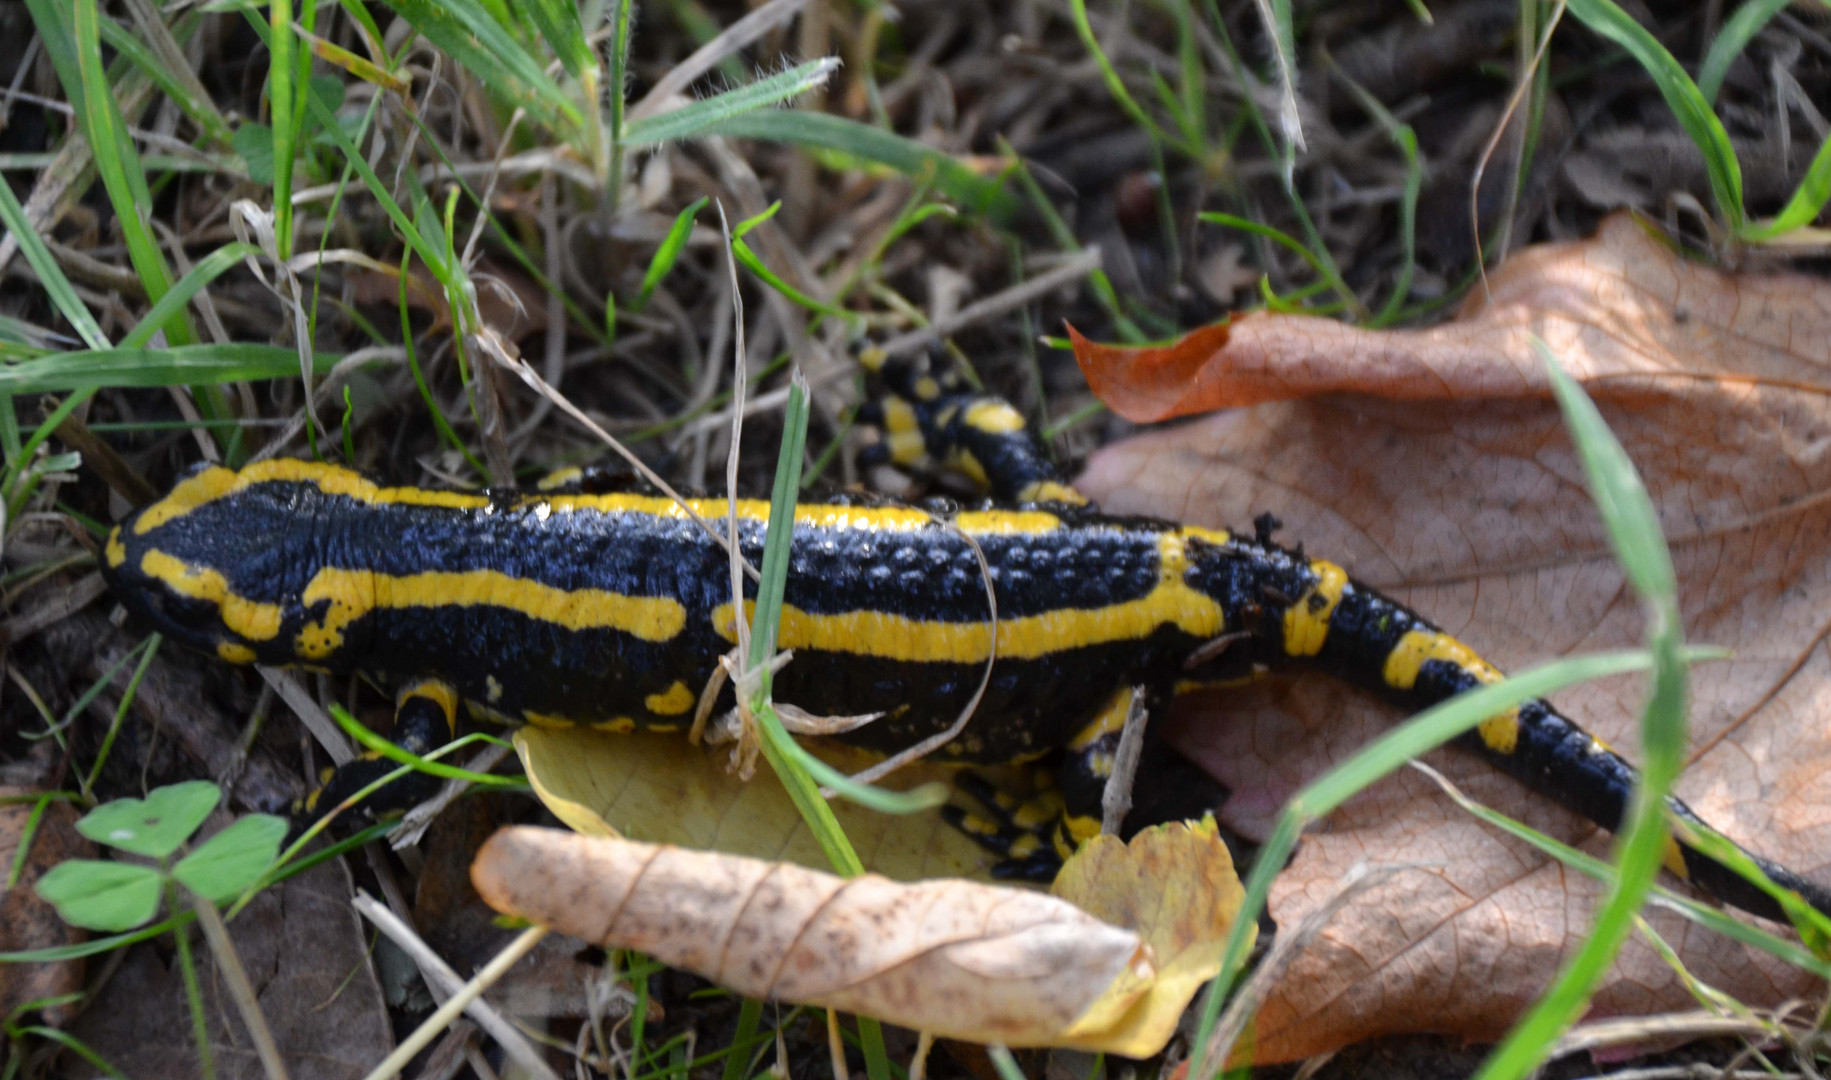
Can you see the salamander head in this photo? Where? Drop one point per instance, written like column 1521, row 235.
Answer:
column 209, row 566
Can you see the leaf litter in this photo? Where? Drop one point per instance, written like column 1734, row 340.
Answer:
column 1434, row 466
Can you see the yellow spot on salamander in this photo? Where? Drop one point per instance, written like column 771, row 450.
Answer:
column 1418, row 647
column 247, row 618
column 492, row 687
column 974, row 825
column 906, row 447
column 1306, row 621
column 621, row 725
column 115, row 551
column 926, row 388
column 1023, row 847
column 1674, row 859
column 994, row 417
column 1500, row 733
column 1217, row 537
column 675, row 700
column 438, row 692
column 1051, row 491
column 559, row 478
column 1036, row 813
column 355, row 593
column 897, row 637
column 547, row 720
column 1082, row 827
column 900, row 417
column 234, row 652
column 964, row 463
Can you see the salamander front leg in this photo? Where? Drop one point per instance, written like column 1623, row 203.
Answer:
column 425, row 718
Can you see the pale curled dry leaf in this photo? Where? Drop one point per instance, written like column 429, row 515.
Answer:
column 1431, row 465
column 955, row 958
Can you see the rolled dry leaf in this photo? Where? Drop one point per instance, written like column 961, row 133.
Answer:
column 955, row 958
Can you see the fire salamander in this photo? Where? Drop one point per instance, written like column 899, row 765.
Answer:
column 610, row 609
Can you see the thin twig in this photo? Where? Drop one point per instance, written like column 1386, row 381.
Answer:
column 465, row 996
column 1116, row 799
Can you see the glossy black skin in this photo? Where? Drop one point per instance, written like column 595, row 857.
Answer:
column 271, row 539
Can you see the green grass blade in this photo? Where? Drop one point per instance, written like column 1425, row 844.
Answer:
column 1621, row 500
column 865, row 143
column 1682, row 96
column 559, row 23
column 1276, row 236
column 754, row 263
column 1634, row 532
column 779, row 748
column 773, row 574
column 1114, row 84
column 117, row 162
column 665, row 256
column 208, row 269
column 178, row 365
column 283, row 103
column 1737, row 31
column 182, row 92
column 1807, row 201
column 50, row 275
column 701, row 117
column 482, row 46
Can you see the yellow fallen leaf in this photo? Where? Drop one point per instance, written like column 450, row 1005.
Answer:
column 1175, row 885
column 958, row 959
column 658, row 788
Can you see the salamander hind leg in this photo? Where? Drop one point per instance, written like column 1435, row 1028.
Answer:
column 930, row 422
column 425, row 718
column 1037, row 835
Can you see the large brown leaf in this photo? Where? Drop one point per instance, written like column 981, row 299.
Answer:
column 1433, row 465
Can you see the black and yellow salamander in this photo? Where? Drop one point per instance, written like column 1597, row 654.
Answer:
column 611, row 610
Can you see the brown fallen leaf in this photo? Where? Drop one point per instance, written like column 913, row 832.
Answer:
column 955, row 958
column 28, row 923
column 1431, row 464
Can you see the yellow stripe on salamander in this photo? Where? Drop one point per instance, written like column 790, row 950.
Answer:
column 251, row 619
column 1499, row 733
column 355, row 593
column 897, row 637
column 1306, row 621
column 218, row 483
